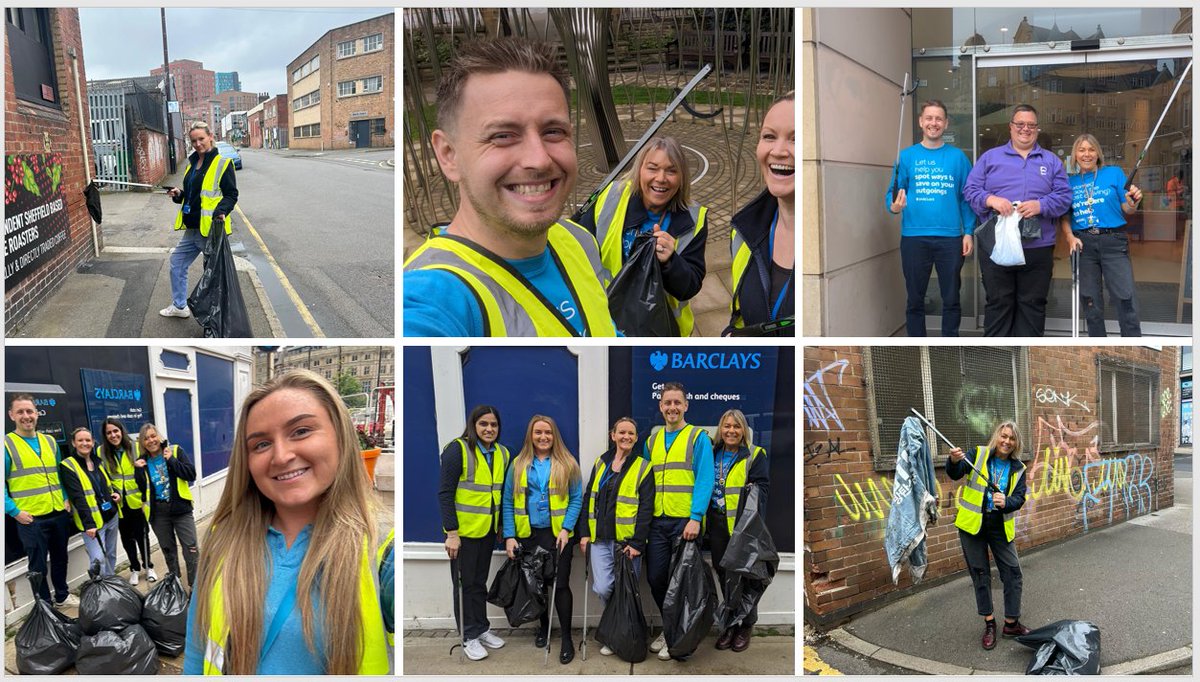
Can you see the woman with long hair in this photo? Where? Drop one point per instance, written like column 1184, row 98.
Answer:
column 118, row 456
column 171, row 472
column 987, row 510
column 94, row 504
column 472, row 473
column 542, row 498
column 294, row 532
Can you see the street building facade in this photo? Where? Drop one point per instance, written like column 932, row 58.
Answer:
column 194, row 86
column 1096, row 425
column 234, row 128
column 129, row 130
column 275, row 122
column 341, row 89
column 370, row 366
column 227, row 80
column 254, row 125
column 1185, row 398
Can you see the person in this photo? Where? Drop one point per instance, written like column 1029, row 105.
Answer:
column 654, row 197
column 34, row 497
column 987, row 511
column 543, row 495
column 682, row 459
column 295, row 529
column 118, row 456
column 1175, row 192
column 94, row 504
column 170, row 472
column 506, row 265
column 936, row 226
column 620, row 503
column 762, row 242
column 1023, row 178
column 469, row 493
column 1095, row 228
column 208, row 194
column 737, row 463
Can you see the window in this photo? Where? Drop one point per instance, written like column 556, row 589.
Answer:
column 346, row 49
column 310, row 66
column 373, row 84
column 1128, row 406
column 377, row 127
column 31, row 49
column 310, row 130
column 354, row 358
column 308, row 100
column 373, row 43
column 346, row 88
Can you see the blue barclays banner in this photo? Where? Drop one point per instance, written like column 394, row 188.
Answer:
column 114, row 394
column 716, row 378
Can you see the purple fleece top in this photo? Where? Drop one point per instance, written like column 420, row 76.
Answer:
column 1002, row 171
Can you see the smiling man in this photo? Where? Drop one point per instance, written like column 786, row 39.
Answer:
column 506, row 265
column 936, row 222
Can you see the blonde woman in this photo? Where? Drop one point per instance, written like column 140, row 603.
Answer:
column 170, row 472
column 294, row 531
column 543, row 494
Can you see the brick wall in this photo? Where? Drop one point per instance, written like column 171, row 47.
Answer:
column 150, row 156
column 33, row 129
column 1074, row 486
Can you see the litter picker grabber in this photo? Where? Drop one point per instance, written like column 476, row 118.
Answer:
column 765, row 328
column 904, row 93
column 1074, row 294
column 550, row 611
column 132, row 184
column 990, row 486
column 458, row 587
column 587, row 587
column 1146, row 147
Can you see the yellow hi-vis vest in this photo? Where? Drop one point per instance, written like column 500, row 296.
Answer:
column 741, row 254
column 122, row 480
column 609, row 214
column 735, row 481
column 635, row 472
column 477, row 497
column 508, row 303
column 374, row 659
column 210, row 195
column 89, row 493
column 971, row 502
column 673, row 475
column 32, row 479
column 559, row 499
column 388, row 543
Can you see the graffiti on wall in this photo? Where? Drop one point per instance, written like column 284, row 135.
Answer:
column 819, row 412
column 1048, row 395
column 1166, row 403
column 829, row 447
column 981, row 407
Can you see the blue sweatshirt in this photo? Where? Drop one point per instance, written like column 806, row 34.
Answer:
column 702, row 467
column 932, row 180
column 1040, row 176
column 1097, row 198
column 538, row 482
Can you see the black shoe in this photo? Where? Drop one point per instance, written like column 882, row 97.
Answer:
column 568, row 652
column 540, row 640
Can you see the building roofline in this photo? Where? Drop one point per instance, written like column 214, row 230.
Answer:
column 337, row 28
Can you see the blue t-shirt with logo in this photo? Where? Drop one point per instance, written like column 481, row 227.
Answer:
column 663, row 220
column 1096, row 198
column 545, row 277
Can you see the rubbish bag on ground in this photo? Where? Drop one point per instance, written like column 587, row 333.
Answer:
column 165, row 614
column 690, row 605
column 636, row 297
column 504, row 586
column 529, row 603
column 48, row 640
column 108, row 603
column 623, row 624
column 742, row 594
column 217, row 299
column 1066, row 647
column 128, row 651
column 749, row 563
column 1003, row 233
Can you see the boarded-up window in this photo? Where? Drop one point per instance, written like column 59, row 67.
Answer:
column 1128, row 404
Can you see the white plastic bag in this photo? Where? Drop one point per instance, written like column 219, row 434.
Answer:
column 1008, row 251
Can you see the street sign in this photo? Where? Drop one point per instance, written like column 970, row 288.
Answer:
column 172, row 107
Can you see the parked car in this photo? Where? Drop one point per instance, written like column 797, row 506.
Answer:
column 229, row 151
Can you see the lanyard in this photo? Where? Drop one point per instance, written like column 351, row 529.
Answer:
column 771, row 258
column 723, row 471
column 281, row 614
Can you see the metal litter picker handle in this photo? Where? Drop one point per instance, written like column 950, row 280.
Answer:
column 991, row 486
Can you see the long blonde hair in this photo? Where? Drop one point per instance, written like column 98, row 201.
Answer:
column 740, row 419
column 236, row 544
column 1016, row 453
column 1073, row 163
column 564, row 469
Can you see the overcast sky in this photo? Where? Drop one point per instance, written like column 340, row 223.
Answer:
column 257, row 43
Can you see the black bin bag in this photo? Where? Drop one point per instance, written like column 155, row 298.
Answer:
column 165, row 614
column 108, row 603
column 217, row 299
column 749, row 563
column 48, row 640
column 637, row 300
column 529, row 602
column 623, row 624
column 128, row 651
column 1067, row 647
column 691, row 602
column 504, row 586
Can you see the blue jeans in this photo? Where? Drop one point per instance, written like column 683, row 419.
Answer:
column 1104, row 264
column 189, row 246
column 603, row 557
column 107, row 556
column 918, row 257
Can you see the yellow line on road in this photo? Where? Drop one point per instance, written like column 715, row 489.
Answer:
column 283, row 280
column 813, row 665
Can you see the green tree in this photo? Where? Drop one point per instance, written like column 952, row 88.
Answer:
column 347, row 387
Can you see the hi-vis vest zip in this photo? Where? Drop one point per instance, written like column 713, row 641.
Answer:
column 635, row 472
column 89, row 493
column 210, row 196
column 559, row 499
column 477, row 497
column 508, row 303
column 32, row 480
column 673, row 474
column 123, row 481
column 970, row 500
column 735, row 482
column 609, row 214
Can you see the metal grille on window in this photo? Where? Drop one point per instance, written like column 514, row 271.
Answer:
column 894, row 384
column 1127, row 405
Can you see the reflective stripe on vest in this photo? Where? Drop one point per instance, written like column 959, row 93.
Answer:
column 124, row 482
column 735, row 481
column 479, row 491
column 971, row 499
column 508, row 303
column 210, row 196
column 626, row 508
column 559, row 499
column 609, row 215
column 374, row 659
column 740, row 252
column 89, row 493
column 673, row 475
column 32, row 479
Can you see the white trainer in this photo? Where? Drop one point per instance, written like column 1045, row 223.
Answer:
column 71, row 600
column 151, row 575
column 659, row 644
column 605, row 651
column 133, row 578
column 474, row 650
column 491, row 640
column 664, row 654
column 172, row 311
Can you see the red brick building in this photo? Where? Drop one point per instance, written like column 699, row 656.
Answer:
column 47, row 131
column 275, row 122
column 254, row 122
column 1097, row 434
column 194, row 86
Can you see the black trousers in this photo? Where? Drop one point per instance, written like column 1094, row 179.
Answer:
column 474, row 560
column 718, row 542
column 975, row 550
column 167, row 527
column 1016, row 296
column 659, row 552
column 563, row 600
column 134, row 530
column 48, row 534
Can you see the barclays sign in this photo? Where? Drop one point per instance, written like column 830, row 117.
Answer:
column 718, row 360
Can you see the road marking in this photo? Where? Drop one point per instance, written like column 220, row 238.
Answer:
column 283, row 280
column 815, row 666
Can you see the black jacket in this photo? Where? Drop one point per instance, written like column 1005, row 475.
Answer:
column 74, row 490
column 451, row 471
column 191, row 187
column 606, row 505
column 1013, row 502
column 140, row 478
column 759, row 474
column 179, row 466
column 751, row 300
